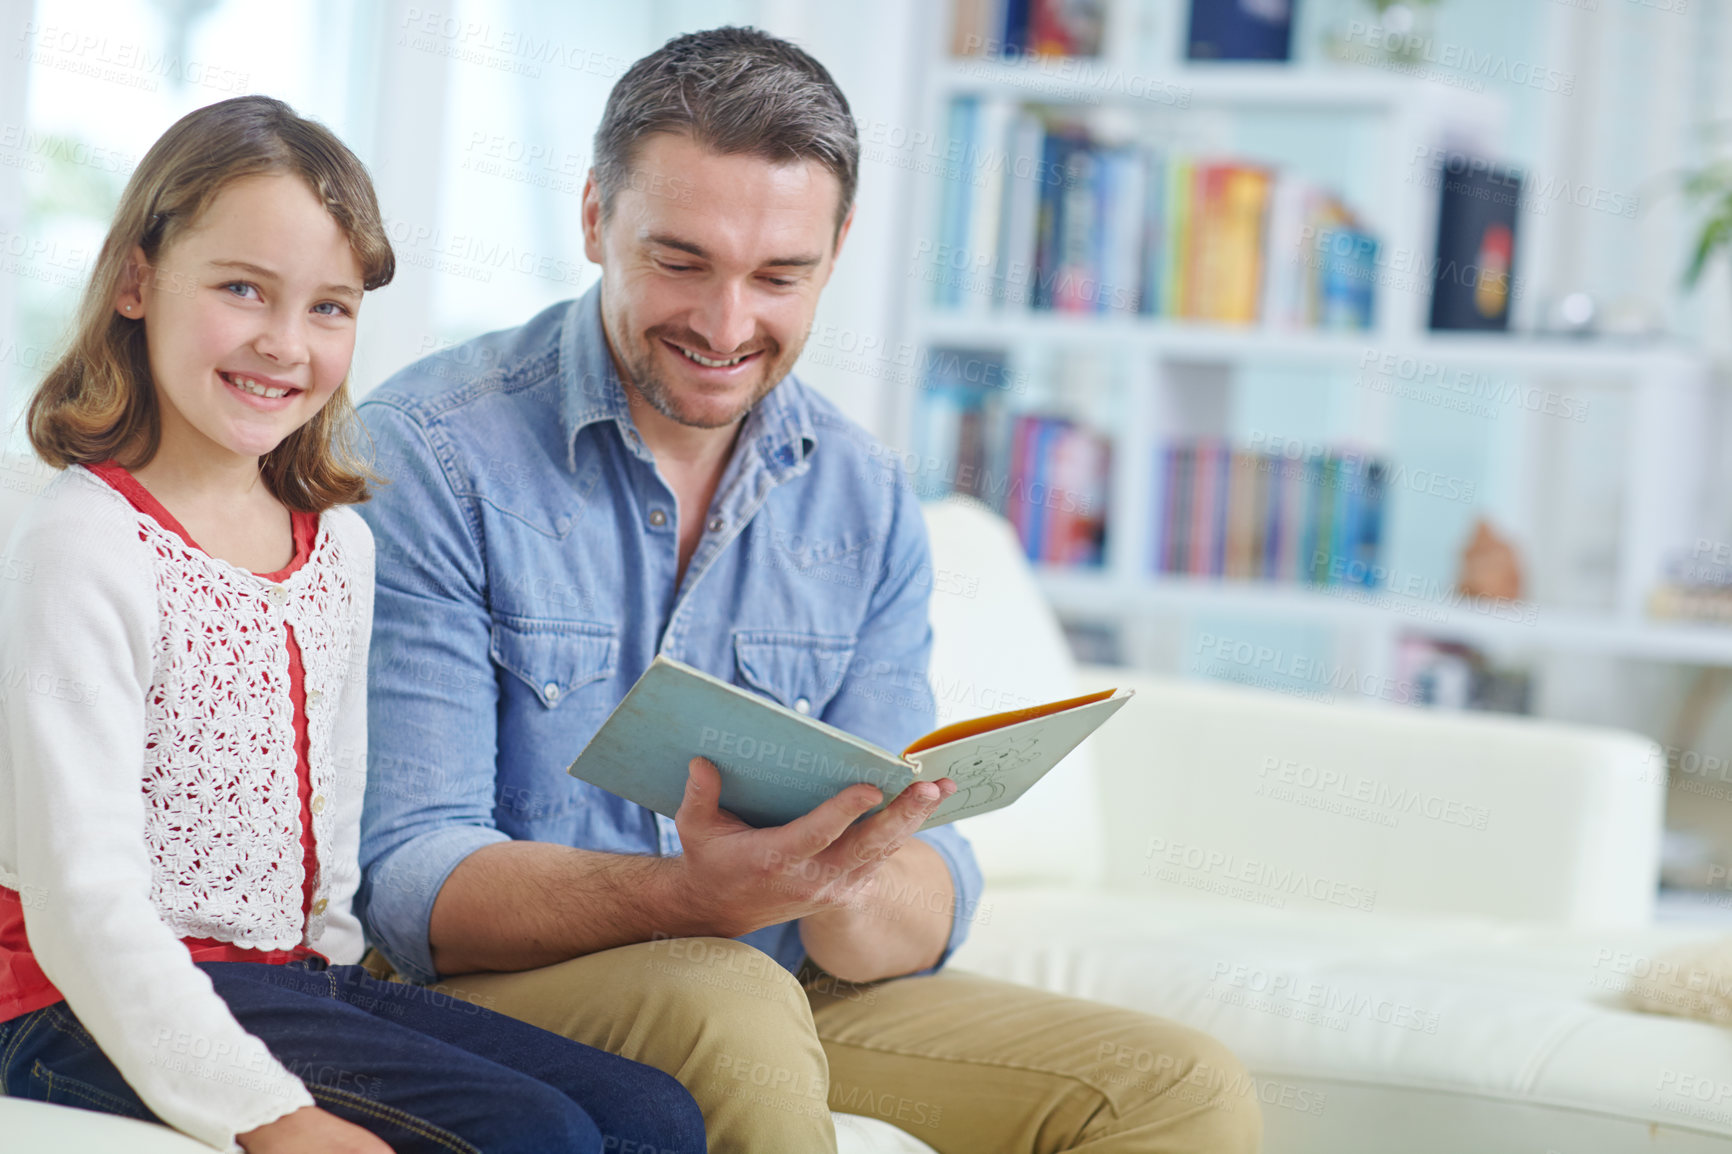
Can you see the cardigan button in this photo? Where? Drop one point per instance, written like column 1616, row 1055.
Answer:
column 319, row 906
column 318, row 803
column 279, row 595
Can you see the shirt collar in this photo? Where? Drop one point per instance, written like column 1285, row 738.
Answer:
column 779, row 427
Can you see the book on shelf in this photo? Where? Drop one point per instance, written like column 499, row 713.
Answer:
column 1476, row 224
column 1026, row 27
column 1227, row 511
column 1240, row 30
column 1047, row 474
column 1041, row 214
column 1694, row 588
column 777, row 764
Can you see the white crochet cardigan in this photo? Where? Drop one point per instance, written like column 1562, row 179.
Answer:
column 148, row 784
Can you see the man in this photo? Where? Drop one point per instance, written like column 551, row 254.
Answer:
column 636, row 473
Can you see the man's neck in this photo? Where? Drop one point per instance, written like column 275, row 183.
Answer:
column 691, row 461
column 691, row 453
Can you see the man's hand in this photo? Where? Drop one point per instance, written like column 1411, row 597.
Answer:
column 848, row 883
column 826, row 861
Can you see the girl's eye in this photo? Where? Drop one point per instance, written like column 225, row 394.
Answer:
column 337, row 310
column 241, row 288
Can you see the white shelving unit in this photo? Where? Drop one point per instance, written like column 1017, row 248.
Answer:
column 1176, row 378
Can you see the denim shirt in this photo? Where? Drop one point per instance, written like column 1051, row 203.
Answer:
column 527, row 550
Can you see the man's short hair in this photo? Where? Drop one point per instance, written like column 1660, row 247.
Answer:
column 735, row 91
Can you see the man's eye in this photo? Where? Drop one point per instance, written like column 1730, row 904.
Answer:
column 677, row 267
column 778, row 281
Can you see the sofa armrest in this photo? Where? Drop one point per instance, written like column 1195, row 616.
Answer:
column 1243, row 795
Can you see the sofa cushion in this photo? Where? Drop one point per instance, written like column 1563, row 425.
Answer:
column 38, row 1128
column 996, row 645
column 1428, row 1034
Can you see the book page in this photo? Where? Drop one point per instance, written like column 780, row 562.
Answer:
column 995, row 767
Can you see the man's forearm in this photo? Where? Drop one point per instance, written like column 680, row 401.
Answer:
column 902, row 926
column 517, row 905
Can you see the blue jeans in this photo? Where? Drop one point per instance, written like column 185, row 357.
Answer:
column 422, row 1070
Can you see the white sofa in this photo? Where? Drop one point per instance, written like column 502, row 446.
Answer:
column 1414, row 928
column 1443, row 984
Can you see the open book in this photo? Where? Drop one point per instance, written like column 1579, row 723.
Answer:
column 777, row 764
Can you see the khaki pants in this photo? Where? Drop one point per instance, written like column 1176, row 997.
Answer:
column 962, row 1062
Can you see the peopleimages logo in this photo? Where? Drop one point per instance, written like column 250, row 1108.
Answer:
column 1397, row 801
column 1168, row 858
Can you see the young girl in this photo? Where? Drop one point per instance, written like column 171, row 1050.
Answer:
column 183, row 702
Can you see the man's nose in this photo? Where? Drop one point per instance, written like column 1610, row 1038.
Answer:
column 724, row 320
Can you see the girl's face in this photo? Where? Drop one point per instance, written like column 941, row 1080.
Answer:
column 249, row 318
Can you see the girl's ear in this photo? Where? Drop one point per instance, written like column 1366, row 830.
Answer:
column 129, row 299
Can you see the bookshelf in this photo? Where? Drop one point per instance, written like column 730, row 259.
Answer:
column 1146, row 381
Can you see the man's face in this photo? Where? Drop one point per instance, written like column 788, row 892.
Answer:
column 711, row 270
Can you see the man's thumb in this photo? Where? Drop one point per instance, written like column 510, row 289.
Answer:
column 703, row 783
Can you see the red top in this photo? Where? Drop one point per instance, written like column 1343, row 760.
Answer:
column 23, row 985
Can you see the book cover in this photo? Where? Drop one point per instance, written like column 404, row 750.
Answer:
column 1349, row 489
column 1200, row 296
column 1366, row 549
column 1314, row 535
column 1155, row 243
column 1066, row 27
column 1180, row 178
column 968, row 29
column 1182, row 499
column 1241, row 513
column 1076, row 288
column 953, row 207
column 1239, row 246
column 1293, row 513
column 984, row 168
column 1202, row 546
column 1014, row 33
column 1166, row 465
column 1274, row 510
column 1240, row 30
column 1283, row 252
column 1019, row 230
column 1121, row 259
column 777, row 764
column 1054, row 197
column 1476, row 224
column 1223, row 463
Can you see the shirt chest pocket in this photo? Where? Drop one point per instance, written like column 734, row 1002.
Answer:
column 799, row 670
column 555, row 659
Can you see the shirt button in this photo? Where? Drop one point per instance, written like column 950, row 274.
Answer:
column 279, row 595
column 319, row 906
column 716, row 524
column 550, row 691
column 318, row 803
column 658, row 518
column 801, row 705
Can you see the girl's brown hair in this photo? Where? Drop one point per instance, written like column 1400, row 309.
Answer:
column 98, row 402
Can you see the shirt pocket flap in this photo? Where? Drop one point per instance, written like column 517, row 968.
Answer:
column 801, row 671
column 555, row 657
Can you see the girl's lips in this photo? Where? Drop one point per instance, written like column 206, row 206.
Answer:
column 263, row 404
